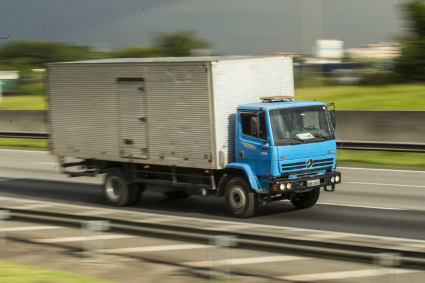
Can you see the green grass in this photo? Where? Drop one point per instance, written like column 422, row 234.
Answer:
column 27, row 102
column 390, row 97
column 42, row 144
column 382, row 159
column 18, row 273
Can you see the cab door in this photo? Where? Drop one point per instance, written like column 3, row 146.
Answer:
column 253, row 146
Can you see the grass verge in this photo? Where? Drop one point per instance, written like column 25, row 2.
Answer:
column 25, row 102
column 382, row 159
column 389, row 97
column 18, row 273
column 41, row 144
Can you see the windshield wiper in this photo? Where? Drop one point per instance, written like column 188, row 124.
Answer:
column 296, row 138
column 321, row 136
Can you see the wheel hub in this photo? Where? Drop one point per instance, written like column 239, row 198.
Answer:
column 237, row 198
column 114, row 188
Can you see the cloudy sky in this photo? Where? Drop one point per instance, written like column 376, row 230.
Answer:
column 233, row 26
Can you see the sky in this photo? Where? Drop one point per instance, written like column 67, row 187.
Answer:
column 234, row 27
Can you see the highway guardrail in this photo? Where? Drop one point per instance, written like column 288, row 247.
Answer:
column 352, row 145
column 305, row 247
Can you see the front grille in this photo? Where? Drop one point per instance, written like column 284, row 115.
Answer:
column 318, row 165
column 305, row 172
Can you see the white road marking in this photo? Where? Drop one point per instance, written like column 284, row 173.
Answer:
column 29, row 206
column 344, row 274
column 361, row 206
column 91, row 212
column 43, row 163
column 232, row 227
column 238, row 261
column 325, row 236
column 381, row 169
column 380, row 184
column 154, row 220
column 155, row 249
column 75, row 239
column 213, row 221
column 29, row 228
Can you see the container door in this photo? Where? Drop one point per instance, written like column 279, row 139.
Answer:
column 132, row 120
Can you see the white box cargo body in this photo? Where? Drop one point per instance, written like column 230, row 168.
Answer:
column 165, row 111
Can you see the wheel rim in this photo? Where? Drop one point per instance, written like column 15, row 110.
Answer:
column 237, row 198
column 114, row 188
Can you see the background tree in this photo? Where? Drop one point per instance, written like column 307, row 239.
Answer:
column 26, row 55
column 136, row 52
column 410, row 66
column 180, row 43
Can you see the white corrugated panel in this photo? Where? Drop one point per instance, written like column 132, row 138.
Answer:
column 84, row 115
column 237, row 82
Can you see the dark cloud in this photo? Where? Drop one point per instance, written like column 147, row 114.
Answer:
column 235, row 27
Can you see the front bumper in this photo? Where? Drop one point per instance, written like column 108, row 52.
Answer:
column 299, row 185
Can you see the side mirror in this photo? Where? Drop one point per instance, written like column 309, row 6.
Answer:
column 333, row 117
column 332, row 114
column 254, row 125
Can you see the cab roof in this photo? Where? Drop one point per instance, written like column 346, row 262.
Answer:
column 279, row 105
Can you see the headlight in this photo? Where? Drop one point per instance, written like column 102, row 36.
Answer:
column 282, row 186
column 333, row 179
column 289, row 186
column 337, row 179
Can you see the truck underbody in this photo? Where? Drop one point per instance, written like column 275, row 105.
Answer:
column 179, row 182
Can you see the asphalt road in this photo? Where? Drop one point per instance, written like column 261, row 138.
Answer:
column 379, row 202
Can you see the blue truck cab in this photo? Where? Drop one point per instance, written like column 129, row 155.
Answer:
column 287, row 150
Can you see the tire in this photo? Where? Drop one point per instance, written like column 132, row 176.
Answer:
column 241, row 201
column 135, row 193
column 116, row 190
column 176, row 194
column 306, row 200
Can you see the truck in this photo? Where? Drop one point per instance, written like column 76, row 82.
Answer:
column 223, row 126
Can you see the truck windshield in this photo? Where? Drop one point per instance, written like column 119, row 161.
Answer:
column 301, row 125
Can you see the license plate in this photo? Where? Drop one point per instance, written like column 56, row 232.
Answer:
column 312, row 183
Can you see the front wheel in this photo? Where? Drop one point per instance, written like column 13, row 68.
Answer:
column 306, row 200
column 241, row 201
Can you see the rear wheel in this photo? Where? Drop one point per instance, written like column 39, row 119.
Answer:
column 241, row 201
column 176, row 194
column 306, row 200
column 116, row 190
column 135, row 193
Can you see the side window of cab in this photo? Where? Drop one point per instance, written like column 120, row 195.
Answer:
column 246, row 123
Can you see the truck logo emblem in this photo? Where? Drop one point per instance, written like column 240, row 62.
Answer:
column 309, row 163
column 309, row 148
